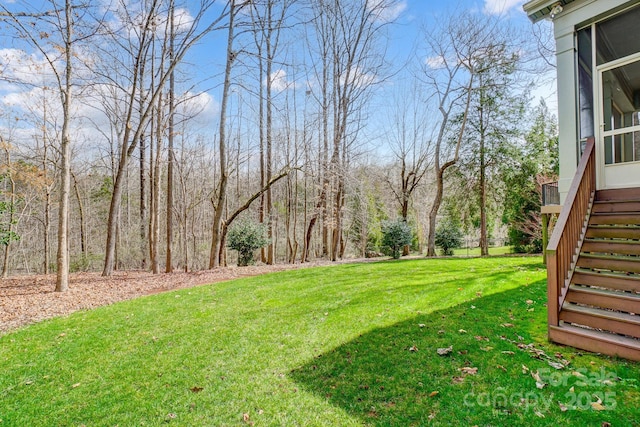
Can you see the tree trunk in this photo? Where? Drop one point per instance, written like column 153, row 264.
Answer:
column 155, row 192
column 433, row 213
column 47, row 198
column 170, row 153
column 219, row 204
column 12, row 204
column 484, row 241
column 62, row 257
column 144, row 241
column 83, row 229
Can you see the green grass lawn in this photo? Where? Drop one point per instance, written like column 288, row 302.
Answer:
column 352, row 344
column 475, row 252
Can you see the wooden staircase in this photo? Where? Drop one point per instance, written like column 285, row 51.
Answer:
column 601, row 307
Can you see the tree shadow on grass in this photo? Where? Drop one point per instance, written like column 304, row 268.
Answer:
column 395, row 376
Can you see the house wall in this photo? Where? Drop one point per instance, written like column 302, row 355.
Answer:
column 575, row 14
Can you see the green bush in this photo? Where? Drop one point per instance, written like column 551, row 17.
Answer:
column 448, row 237
column 246, row 237
column 396, row 235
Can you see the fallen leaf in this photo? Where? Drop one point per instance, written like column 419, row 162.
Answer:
column 597, row 406
column 434, row 393
column 507, row 325
column 539, row 383
column 529, row 302
column 457, row 380
column 524, row 369
column 487, row 348
column 556, row 365
column 75, row 385
column 563, row 408
column 501, row 367
column 481, row 338
column 445, row 351
column 422, row 325
column 413, row 348
column 508, row 352
column 172, row 415
column 246, row 418
column 196, row 389
column 462, row 331
column 468, row 370
column 539, row 414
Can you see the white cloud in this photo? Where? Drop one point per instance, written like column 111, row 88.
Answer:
column 500, row 7
column 435, row 62
column 18, row 65
column 385, row 10
column 201, row 106
column 279, row 81
column 359, row 78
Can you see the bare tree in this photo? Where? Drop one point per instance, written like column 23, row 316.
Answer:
column 145, row 21
column 170, row 139
column 58, row 27
column 347, row 34
column 455, row 47
column 410, row 146
column 268, row 17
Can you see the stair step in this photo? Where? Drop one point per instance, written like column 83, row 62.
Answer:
column 613, row 231
column 621, row 247
column 609, row 262
column 603, row 298
column 619, row 194
column 596, row 341
column 612, row 321
column 617, row 281
column 616, row 206
column 615, row 218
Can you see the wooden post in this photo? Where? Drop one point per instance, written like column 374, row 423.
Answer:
column 545, row 236
column 552, row 289
column 546, row 212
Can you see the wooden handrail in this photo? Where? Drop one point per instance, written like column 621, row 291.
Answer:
column 568, row 234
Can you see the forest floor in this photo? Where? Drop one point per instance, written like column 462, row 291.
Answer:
column 32, row 298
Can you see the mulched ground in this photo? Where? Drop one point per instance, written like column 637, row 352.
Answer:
column 29, row 299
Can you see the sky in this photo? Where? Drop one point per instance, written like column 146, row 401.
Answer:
column 422, row 12
column 409, row 16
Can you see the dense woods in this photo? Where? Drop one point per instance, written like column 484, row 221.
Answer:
column 135, row 134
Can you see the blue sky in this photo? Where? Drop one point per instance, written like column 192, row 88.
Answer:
column 208, row 57
column 411, row 17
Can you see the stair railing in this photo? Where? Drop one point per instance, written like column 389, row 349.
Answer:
column 569, row 232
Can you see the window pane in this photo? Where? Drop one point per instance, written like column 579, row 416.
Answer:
column 622, row 148
column 614, row 36
column 585, row 82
